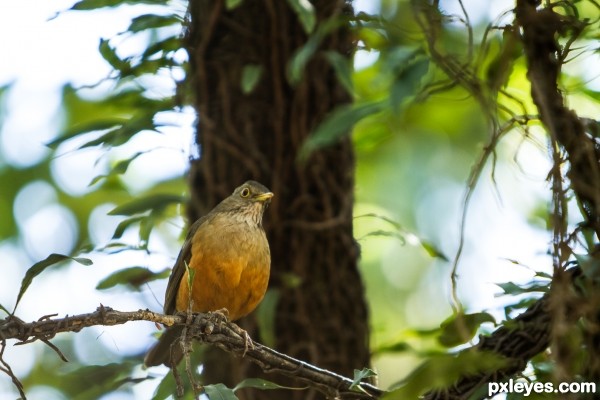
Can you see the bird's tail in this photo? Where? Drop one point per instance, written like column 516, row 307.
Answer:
column 168, row 350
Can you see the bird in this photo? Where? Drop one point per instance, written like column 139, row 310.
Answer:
column 229, row 253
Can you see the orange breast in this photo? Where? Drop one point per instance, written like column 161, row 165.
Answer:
column 231, row 270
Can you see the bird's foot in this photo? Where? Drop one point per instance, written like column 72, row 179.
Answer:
column 248, row 344
column 213, row 318
column 221, row 315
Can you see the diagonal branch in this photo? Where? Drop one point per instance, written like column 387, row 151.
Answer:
column 518, row 341
column 209, row 328
column 541, row 28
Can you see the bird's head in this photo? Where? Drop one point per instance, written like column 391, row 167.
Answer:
column 248, row 202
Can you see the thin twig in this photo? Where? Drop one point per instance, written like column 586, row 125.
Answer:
column 4, row 367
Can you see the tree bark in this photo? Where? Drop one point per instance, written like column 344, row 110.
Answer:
column 572, row 340
column 257, row 136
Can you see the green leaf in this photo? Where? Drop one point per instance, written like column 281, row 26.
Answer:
column 511, row 288
column 265, row 317
column 97, row 179
column 404, row 236
column 149, row 67
column 343, row 69
column 119, row 169
column 122, row 134
column 152, row 21
column 301, row 57
column 432, row 250
column 374, row 32
column 398, row 347
column 95, row 4
column 441, row 371
column 543, row 274
column 113, row 111
column 94, row 381
column 165, row 388
column 263, row 384
column 86, row 128
column 150, row 202
column 290, row 280
column 4, row 89
column 123, row 225
column 4, row 309
column 110, row 55
column 306, row 14
column 170, row 44
column 118, row 247
column 40, row 266
column 250, row 77
column 191, row 273
column 134, row 277
column 461, row 328
column 146, row 226
column 589, row 237
column 359, row 375
column 219, row 392
column 500, row 68
column 231, row 4
column 590, row 266
column 392, row 234
column 408, row 81
column 119, row 128
column 338, row 124
column 520, row 305
column 395, row 224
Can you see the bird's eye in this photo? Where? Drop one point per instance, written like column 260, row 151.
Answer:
column 245, row 192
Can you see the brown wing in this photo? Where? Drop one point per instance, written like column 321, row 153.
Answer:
column 179, row 268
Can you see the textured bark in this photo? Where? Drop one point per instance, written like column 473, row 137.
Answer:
column 572, row 340
column 257, row 136
column 545, row 57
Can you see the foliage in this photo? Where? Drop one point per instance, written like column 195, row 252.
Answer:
column 40, row 266
column 108, row 117
column 441, row 84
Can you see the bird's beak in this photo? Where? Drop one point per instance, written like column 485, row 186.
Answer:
column 264, row 196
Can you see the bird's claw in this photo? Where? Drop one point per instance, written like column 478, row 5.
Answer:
column 248, row 343
column 221, row 315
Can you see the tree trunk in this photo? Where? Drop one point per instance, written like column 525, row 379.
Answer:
column 323, row 319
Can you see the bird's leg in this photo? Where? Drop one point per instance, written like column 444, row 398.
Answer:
column 248, row 343
column 222, row 314
column 211, row 318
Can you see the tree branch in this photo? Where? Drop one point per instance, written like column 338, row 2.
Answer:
column 541, row 28
column 528, row 335
column 209, row 328
column 517, row 340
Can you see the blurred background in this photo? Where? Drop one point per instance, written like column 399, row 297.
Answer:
column 412, row 171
